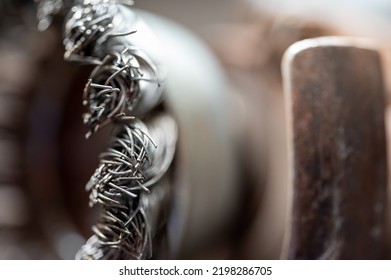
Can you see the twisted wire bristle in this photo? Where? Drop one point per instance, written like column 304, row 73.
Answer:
column 130, row 184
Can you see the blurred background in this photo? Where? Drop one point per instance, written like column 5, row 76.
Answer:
column 45, row 160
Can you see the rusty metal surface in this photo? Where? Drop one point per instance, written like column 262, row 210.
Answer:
column 334, row 94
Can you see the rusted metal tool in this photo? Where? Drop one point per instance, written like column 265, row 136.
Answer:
column 335, row 101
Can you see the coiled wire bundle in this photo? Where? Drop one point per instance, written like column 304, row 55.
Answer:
column 113, row 89
column 130, row 184
column 121, row 185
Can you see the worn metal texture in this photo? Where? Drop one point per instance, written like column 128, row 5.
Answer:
column 335, row 103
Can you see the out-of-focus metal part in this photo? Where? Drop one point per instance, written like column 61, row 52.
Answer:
column 206, row 193
column 13, row 207
column 335, row 103
column 338, row 21
column 376, row 13
column 47, row 10
column 23, row 62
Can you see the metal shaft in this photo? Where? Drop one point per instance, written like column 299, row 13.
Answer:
column 334, row 95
